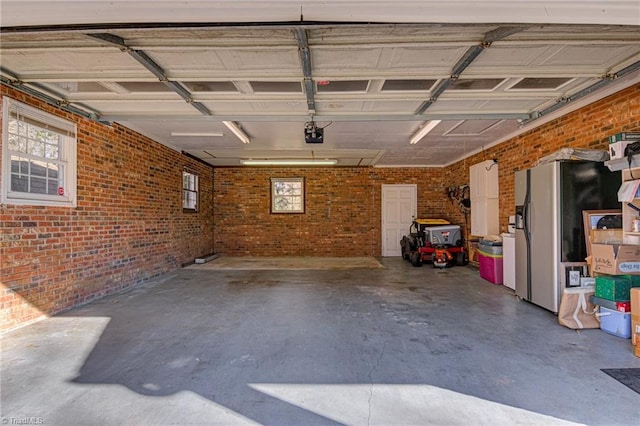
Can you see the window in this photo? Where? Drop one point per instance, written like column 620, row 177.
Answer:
column 287, row 195
column 189, row 192
column 38, row 158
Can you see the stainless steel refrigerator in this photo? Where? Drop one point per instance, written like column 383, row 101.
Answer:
column 549, row 202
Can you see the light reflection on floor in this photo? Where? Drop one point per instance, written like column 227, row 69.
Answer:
column 377, row 404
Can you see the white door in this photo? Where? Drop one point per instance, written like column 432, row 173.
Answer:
column 399, row 207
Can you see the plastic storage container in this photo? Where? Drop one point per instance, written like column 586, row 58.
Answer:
column 490, row 249
column 614, row 322
column 490, row 267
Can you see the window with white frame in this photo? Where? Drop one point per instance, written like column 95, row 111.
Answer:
column 189, row 191
column 38, row 157
column 287, row 195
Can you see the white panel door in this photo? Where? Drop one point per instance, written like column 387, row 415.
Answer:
column 399, row 207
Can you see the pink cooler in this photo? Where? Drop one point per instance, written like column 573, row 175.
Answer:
column 490, row 267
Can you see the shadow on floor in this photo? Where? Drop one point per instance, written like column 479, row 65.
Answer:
column 342, row 347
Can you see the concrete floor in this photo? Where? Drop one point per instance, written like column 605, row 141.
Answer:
column 393, row 346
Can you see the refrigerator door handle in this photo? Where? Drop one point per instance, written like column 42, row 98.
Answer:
column 527, row 230
column 526, row 210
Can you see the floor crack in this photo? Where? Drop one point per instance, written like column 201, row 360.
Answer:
column 373, row 368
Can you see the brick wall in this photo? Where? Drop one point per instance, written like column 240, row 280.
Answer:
column 588, row 127
column 128, row 226
column 342, row 216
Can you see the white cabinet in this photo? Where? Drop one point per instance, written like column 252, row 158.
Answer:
column 483, row 180
column 483, row 188
column 484, row 216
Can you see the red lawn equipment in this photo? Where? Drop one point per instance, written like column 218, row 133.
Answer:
column 435, row 241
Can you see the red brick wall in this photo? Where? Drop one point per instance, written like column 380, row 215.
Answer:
column 588, row 127
column 342, row 217
column 128, row 226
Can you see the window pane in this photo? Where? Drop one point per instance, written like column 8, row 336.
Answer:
column 13, row 142
column 32, row 132
column 19, row 183
column 52, row 186
column 53, row 171
column 38, row 185
column 189, row 200
column 38, row 169
column 12, row 127
column 51, row 151
column 15, row 164
column 282, row 203
column 36, row 148
column 22, row 128
column 52, row 138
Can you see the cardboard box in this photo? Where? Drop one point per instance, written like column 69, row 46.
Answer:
column 615, row 259
column 605, row 236
column 635, row 315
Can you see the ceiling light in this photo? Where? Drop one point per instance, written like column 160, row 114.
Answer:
column 289, row 162
column 237, row 131
column 196, row 134
column 422, row 132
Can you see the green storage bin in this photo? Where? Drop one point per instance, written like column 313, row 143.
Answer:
column 616, row 288
column 635, row 280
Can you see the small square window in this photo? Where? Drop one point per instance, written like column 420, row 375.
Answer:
column 189, row 192
column 287, row 195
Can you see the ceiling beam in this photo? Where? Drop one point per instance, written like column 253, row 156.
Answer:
column 463, row 63
column 323, row 117
column 53, row 98
column 562, row 102
column 305, row 62
column 151, row 66
column 502, row 33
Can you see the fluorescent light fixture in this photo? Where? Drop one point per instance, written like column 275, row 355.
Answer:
column 237, row 131
column 422, row 132
column 289, row 162
column 196, row 134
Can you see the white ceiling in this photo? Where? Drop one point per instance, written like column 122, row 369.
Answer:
column 372, row 73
